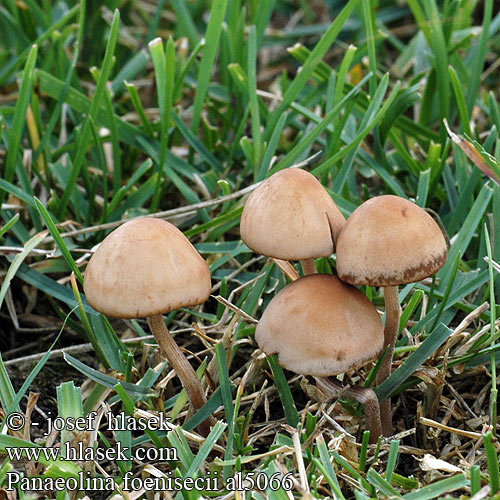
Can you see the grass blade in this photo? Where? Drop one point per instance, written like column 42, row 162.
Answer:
column 271, row 147
column 94, row 109
column 436, row 489
column 16, row 130
column 413, row 362
column 252, row 92
column 460, row 100
column 391, row 459
column 32, row 243
column 310, row 65
column 382, row 485
column 209, row 52
column 291, row 415
column 492, row 459
column 479, row 55
column 327, row 467
column 227, row 399
column 13, row 220
column 105, row 380
column 69, row 405
column 44, row 214
column 7, row 393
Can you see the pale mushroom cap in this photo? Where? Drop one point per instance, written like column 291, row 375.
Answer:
column 320, row 326
column 389, row 241
column 145, row 267
column 291, row 216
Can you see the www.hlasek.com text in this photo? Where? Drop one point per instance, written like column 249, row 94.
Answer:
column 78, row 452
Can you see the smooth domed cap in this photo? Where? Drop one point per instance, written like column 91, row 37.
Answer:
column 389, row 241
column 291, row 216
column 320, row 326
column 145, row 267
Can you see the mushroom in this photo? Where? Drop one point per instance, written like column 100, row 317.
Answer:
column 290, row 216
column 145, row 268
column 389, row 241
column 320, row 326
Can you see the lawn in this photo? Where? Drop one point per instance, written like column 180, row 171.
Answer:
column 180, row 110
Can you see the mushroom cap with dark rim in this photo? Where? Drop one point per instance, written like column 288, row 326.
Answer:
column 291, row 216
column 145, row 267
column 320, row 326
column 389, row 241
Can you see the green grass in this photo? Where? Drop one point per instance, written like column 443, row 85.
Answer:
column 177, row 109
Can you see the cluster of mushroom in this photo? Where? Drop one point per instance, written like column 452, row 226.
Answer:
column 320, row 325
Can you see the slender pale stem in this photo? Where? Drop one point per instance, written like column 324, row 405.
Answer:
column 308, row 266
column 390, row 334
column 180, row 364
column 363, row 395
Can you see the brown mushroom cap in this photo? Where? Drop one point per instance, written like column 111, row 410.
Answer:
column 320, row 326
column 291, row 216
column 389, row 241
column 145, row 267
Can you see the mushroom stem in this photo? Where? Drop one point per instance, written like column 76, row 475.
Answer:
column 390, row 334
column 308, row 266
column 363, row 395
column 180, row 364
